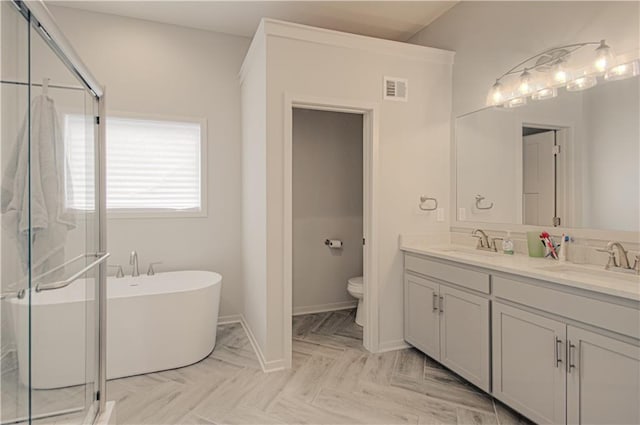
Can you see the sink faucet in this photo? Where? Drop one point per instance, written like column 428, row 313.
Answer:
column 485, row 243
column 483, row 239
column 133, row 260
column 621, row 261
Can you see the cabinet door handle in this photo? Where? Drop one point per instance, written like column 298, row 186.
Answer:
column 441, row 304
column 558, row 355
column 571, row 349
column 435, row 302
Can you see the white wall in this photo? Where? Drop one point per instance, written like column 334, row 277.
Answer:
column 254, row 193
column 414, row 142
column 327, row 204
column 170, row 71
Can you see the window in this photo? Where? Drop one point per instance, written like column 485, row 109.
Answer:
column 153, row 166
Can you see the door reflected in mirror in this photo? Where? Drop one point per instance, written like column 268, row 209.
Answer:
column 540, row 174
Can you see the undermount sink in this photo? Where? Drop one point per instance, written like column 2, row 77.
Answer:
column 591, row 272
column 467, row 251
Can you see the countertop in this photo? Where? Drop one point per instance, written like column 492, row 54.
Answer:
column 588, row 277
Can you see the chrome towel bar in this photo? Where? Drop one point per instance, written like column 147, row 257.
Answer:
column 20, row 293
column 64, row 283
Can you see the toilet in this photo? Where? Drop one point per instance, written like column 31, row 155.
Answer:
column 355, row 287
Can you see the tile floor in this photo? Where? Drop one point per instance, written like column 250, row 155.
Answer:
column 334, row 380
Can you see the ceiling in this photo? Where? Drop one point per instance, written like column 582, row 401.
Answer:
column 393, row 20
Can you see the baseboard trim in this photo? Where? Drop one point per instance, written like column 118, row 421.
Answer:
column 321, row 308
column 267, row 366
column 108, row 416
column 399, row 344
column 231, row 318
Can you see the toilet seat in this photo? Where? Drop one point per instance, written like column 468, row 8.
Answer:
column 355, row 285
column 357, row 280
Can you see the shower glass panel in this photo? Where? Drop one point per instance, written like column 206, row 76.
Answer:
column 14, row 270
column 64, row 240
column 49, row 253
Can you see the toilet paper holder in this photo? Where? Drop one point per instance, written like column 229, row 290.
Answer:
column 333, row 243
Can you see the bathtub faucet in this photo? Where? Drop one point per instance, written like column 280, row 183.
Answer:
column 133, row 260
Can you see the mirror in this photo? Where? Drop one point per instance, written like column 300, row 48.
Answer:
column 572, row 161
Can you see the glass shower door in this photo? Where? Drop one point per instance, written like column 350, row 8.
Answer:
column 64, row 242
column 50, row 235
column 14, row 257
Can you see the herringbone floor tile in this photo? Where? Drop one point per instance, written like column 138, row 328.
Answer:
column 334, row 380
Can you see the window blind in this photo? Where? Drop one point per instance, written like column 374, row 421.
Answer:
column 152, row 165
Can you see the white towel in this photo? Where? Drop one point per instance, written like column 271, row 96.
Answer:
column 50, row 221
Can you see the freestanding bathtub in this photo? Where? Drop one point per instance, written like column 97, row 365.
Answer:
column 154, row 323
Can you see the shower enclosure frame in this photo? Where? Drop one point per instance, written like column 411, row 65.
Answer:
column 41, row 19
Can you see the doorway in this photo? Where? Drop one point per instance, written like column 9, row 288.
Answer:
column 328, row 220
column 369, row 113
column 327, row 208
column 542, row 176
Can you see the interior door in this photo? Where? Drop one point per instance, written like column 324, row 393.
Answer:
column 528, row 363
column 603, row 379
column 464, row 335
column 539, row 195
column 421, row 321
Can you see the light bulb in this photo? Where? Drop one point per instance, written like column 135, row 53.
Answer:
column 546, row 93
column 625, row 70
column 496, row 95
column 604, row 57
column 560, row 75
column 525, row 88
column 582, row 83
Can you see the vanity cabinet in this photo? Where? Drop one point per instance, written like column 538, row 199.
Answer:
column 538, row 360
column 464, row 335
column 422, row 314
column 603, row 379
column 529, row 372
column 450, row 325
column 556, row 353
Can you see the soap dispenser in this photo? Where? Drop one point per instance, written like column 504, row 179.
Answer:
column 507, row 245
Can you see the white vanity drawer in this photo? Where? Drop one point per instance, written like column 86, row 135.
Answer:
column 607, row 315
column 467, row 278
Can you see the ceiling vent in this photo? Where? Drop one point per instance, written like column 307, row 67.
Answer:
column 396, row 89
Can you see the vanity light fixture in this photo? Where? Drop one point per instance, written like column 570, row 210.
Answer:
column 604, row 57
column 496, row 96
column 582, row 83
column 515, row 102
column 571, row 66
column 559, row 74
column 525, row 88
column 623, row 71
column 545, row 93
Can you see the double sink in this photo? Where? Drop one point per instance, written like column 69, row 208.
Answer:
column 564, row 270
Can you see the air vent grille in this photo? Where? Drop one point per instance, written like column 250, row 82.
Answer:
column 396, row 89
